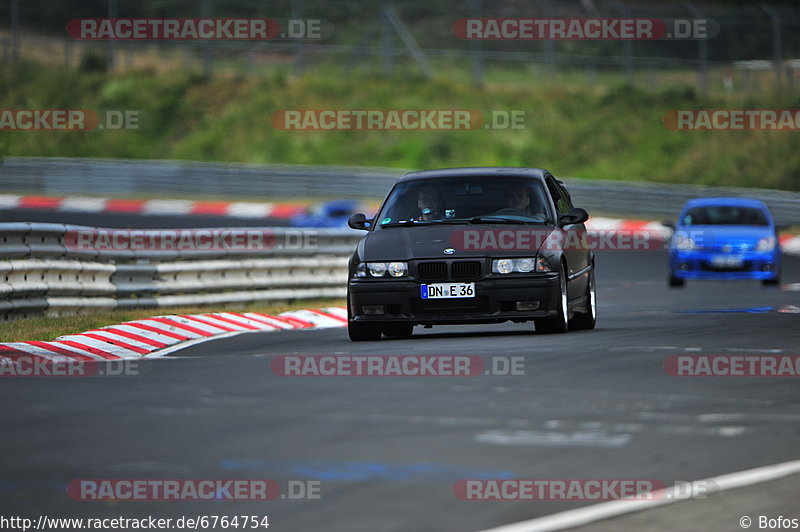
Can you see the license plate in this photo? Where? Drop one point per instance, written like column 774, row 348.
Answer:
column 727, row 261
column 447, row 290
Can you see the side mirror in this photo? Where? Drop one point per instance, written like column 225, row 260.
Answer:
column 359, row 221
column 781, row 227
column 574, row 216
column 668, row 223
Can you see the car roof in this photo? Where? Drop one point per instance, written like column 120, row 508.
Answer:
column 733, row 202
column 474, row 171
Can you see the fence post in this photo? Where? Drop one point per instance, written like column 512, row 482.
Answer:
column 475, row 45
column 386, row 40
column 627, row 45
column 205, row 12
column 297, row 47
column 776, row 42
column 15, row 30
column 111, row 45
column 549, row 44
column 68, row 53
column 702, row 51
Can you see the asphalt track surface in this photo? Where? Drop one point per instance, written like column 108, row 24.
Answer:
column 388, row 450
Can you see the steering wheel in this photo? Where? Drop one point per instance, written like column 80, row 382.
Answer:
column 509, row 210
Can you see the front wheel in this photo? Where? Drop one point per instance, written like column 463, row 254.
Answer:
column 587, row 320
column 675, row 282
column 560, row 322
column 398, row 330
column 775, row 281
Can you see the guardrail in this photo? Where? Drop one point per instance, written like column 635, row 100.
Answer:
column 46, row 272
column 114, row 177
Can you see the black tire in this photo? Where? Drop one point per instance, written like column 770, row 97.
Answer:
column 398, row 330
column 675, row 282
column 775, row 281
column 560, row 322
column 587, row 320
column 363, row 332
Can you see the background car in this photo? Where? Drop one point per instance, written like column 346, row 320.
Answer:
column 333, row 214
column 724, row 239
column 445, row 248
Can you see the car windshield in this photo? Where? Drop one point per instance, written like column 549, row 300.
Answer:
column 466, row 200
column 724, row 215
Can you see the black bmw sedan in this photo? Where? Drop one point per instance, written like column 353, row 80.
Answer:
column 472, row 245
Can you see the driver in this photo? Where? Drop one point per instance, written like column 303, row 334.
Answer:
column 518, row 198
column 430, row 203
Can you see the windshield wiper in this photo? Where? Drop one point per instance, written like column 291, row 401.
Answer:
column 501, row 220
column 421, row 222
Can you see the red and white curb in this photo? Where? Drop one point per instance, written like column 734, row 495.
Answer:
column 161, row 335
column 238, row 209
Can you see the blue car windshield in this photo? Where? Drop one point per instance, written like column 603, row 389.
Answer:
column 725, row 215
column 466, row 199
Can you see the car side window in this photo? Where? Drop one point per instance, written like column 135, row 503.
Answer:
column 565, row 197
column 561, row 200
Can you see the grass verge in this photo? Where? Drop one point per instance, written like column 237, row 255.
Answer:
column 597, row 132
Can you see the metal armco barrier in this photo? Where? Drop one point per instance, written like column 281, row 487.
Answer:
column 119, row 177
column 44, row 273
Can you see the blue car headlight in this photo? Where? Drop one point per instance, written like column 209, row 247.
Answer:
column 766, row 244
column 684, row 243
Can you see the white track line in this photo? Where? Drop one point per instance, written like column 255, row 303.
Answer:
column 606, row 510
column 194, row 341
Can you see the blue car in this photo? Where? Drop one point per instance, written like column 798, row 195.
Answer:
column 724, row 239
column 331, row 214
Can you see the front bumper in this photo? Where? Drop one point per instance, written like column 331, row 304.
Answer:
column 699, row 265
column 495, row 301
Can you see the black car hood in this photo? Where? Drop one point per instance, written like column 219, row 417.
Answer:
column 430, row 242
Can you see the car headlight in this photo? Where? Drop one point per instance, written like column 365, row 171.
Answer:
column 524, row 265
column 382, row 269
column 397, row 269
column 684, row 243
column 376, row 269
column 766, row 244
column 503, row 266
